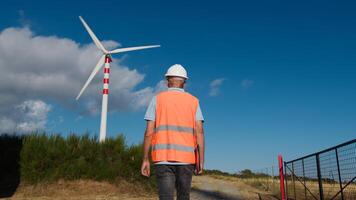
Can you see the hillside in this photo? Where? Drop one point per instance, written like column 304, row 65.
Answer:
column 41, row 166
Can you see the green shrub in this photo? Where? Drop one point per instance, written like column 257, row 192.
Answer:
column 45, row 158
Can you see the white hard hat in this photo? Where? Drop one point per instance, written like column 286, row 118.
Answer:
column 177, row 70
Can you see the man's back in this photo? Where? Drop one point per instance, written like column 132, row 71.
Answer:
column 176, row 107
column 174, row 140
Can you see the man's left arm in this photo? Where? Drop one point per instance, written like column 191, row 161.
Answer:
column 199, row 131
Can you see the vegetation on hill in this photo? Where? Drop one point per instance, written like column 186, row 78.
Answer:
column 217, row 172
column 38, row 158
column 44, row 158
column 246, row 173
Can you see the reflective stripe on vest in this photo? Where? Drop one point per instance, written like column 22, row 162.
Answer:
column 173, row 146
column 174, row 127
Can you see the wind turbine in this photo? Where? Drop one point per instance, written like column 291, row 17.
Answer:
column 105, row 60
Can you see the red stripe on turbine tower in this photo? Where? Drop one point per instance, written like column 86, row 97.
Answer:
column 106, row 80
column 107, row 70
column 105, row 91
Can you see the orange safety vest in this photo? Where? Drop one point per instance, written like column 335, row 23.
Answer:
column 174, row 139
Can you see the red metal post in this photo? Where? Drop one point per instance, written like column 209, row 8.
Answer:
column 281, row 177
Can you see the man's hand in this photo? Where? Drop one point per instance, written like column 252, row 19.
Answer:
column 145, row 168
column 201, row 168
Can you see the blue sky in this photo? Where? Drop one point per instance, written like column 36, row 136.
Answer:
column 284, row 72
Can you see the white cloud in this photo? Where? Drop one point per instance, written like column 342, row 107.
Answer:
column 30, row 115
column 50, row 68
column 215, row 86
column 247, row 83
column 56, row 68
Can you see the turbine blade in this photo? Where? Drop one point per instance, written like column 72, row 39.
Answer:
column 93, row 73
column 92, row 35
column 133, row 48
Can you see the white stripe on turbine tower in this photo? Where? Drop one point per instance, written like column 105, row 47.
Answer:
column 105, row 58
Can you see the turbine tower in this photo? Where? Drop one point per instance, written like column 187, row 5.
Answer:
column 105, row 60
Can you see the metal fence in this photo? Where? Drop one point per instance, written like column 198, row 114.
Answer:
column 328, row 174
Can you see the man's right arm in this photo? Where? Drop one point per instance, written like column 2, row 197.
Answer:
column 150, row 118
column 145, row 168
column 147, row 140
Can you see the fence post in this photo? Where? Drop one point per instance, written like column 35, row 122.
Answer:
column 319, row 177
column 305, row 186
column 273, row 177
column 293, row 181
column 286, row 178
column 267, row 181
column 338, row 171
column 281, row 177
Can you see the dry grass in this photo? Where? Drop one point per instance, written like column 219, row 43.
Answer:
column 231, row 187
column 329, row 189
column 271, row 186
column 84, row 189
column 204, row 187
column 208, row 187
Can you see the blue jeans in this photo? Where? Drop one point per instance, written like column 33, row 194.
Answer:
column 171, row 177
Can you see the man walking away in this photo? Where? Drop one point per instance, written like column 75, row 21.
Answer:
column 174, row 130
